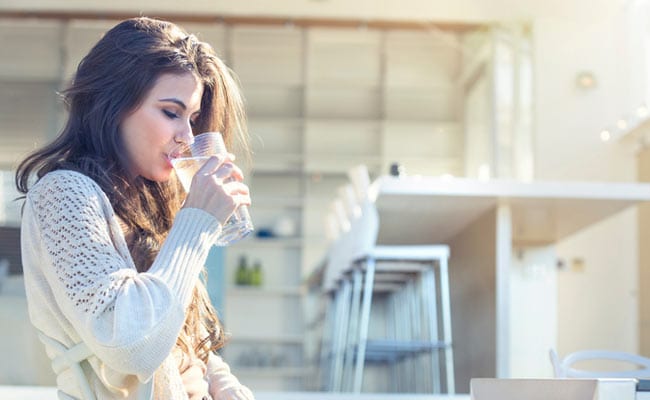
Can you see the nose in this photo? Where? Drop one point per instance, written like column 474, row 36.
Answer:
column 185, row 136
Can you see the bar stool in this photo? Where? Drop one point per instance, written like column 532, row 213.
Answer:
column 415, row 342
column 412, row 281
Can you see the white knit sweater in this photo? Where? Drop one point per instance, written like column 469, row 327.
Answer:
column 82, row 285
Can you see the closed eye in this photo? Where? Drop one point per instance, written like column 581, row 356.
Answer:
column 170, row 114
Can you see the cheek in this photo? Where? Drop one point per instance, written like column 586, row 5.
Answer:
column 144, row 132
column 136, row 144
column 156, row 130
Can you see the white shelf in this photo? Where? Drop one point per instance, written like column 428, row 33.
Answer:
column 542, row 212
column 274, row 120
column 270, row 242
column 264, row 168
column 322, row 163
column 267, row 156
column 277, row 201
column 313, row 240
column 322, row 85
column 264, row 291
column 272, row 371
column 415, row 159
column 350, row 120
column 281, row 339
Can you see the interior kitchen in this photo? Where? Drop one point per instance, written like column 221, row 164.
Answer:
column 449, row 198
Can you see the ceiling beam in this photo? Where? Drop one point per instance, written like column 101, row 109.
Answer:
column 380, row 24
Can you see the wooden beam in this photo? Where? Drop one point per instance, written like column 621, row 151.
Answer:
column 379, row 24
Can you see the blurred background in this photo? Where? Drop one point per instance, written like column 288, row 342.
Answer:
column 526, row 90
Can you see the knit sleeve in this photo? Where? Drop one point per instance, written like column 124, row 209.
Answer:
column 129, row 320
column 223, row 385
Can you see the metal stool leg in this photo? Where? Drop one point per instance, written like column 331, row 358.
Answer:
column 353, row 331
column 326, row 345
column 334, row 341
column 342, row 331
column 402, row 329
column 431, row 300
column 425, row 361
column 363, row 324
column 446, row 322
column 408, row 314
column 392, row 332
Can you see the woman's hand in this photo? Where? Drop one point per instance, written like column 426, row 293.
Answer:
column 217, row 188
column 192, row 371
column 193, row 381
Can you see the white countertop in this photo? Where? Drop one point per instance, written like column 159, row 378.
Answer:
column 435, row 209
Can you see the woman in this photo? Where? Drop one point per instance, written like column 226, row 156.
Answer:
column 112, row 251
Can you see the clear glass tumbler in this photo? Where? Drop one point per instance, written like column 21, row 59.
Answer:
column 205, row 145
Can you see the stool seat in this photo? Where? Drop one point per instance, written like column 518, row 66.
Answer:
column 407, row 252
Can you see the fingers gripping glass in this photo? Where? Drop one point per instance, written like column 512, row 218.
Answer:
column 239, row 225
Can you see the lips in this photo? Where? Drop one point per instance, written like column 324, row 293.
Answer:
column 168, row 161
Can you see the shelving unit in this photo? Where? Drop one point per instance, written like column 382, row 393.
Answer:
column 321, row 101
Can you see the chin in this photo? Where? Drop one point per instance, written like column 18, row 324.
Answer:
column 163, row 179
column 160, row 177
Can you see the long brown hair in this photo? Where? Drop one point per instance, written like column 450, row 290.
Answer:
column 110, row 83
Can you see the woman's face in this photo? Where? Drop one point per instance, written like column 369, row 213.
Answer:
column 151, row 133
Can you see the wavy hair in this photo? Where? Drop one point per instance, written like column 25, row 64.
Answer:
column 111, row 82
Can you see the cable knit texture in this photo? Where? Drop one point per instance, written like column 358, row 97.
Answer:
column 82, row 285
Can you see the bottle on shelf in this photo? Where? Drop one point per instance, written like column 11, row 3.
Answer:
column 242, row 274
column 256, row 274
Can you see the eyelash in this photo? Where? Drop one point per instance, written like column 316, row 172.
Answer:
column 172, row 115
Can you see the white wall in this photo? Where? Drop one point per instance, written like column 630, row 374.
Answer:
column 569, row 120
column 597, row 305
column 599, row 301
column 533, row 325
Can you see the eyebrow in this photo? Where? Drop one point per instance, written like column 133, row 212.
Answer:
column 175, row 101
column 180, row 104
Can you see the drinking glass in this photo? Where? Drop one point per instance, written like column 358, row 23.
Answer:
column 205, row 145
